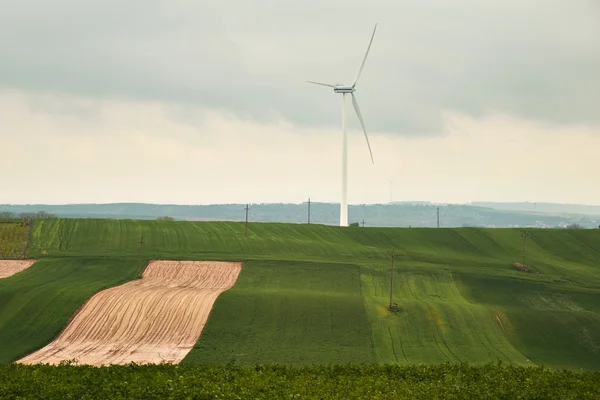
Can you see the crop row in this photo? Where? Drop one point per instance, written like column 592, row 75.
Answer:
column 318, row 382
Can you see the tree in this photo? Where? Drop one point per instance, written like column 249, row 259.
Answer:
column 354, row 224
column 574, row 226
column 165, row 218
column 35, row 215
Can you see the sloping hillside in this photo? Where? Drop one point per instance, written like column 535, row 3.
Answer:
column 319, row 294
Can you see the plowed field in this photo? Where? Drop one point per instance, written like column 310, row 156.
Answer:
column 154, row 319
column 11, row 267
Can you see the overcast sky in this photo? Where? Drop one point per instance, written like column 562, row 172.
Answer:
column 188, row 102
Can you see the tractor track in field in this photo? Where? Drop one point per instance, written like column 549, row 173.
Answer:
column 401, row 344
column 155, row 319
column 11, row 267
column 392, row 343
column 491, row 348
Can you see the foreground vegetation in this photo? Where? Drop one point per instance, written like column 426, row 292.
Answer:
column 313, row 294
column 279, row 382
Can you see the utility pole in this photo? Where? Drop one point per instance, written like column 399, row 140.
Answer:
column 392, row 281
column 247, row 208
column 363, row 221
column 309, row 210
column 140, row 258
column 438, row 217
column 525, row 236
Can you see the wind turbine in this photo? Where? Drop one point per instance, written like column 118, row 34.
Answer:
column 344, row 90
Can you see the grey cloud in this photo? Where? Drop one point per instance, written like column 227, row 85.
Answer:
column 536, row 59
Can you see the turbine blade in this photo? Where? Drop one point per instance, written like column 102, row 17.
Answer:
column 357, row 109
column 322, row 84
column 364, row 59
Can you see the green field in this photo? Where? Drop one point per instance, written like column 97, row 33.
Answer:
column 311, row 294
column 13, row 239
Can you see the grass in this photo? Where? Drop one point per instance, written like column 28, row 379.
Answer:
column 216, row 240
column 556, row 325
column 311, row 294
column 434, row 322
column 13, row 239
column 293, row 312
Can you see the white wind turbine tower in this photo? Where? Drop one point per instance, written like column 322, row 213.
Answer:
column 344, row 90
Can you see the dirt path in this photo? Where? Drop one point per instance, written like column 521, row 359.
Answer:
column 158, row 318
column 11, row 267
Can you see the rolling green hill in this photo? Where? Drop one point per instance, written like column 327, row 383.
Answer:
column 319, row 294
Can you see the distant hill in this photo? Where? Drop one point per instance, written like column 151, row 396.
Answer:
column 416, row 214
column 556, row 208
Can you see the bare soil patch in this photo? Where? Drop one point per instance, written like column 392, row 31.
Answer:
column 154, row 319
column 522, row 267
column 11, row 267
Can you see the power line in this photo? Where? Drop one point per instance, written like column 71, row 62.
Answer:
column 525, row 236
column 392, row 281
column 140, row 258
column 247, row 208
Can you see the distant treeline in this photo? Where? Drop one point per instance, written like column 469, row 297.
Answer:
column 30, row 215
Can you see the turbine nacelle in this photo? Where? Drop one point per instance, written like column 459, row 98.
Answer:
column 343, row 89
